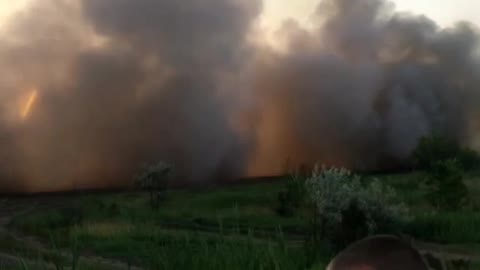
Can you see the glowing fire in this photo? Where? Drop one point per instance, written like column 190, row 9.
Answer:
column 27, row 108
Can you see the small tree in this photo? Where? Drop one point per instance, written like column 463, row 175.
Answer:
column 431, row 150
column 155, row 179
column 446, row 189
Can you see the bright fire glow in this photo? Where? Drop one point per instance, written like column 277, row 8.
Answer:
column 27, row 108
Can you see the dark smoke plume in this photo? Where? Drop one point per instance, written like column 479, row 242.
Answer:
column 121, row 83
column 362, row 87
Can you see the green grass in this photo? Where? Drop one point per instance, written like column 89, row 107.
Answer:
column 229, row 228
column 428, row 224
column 148, row 246
column 453, row 227
column 225, row 228
column 10, row 245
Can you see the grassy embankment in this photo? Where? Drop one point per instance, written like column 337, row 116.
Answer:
column 225, row 228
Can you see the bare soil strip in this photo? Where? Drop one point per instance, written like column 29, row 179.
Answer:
column 12, row 207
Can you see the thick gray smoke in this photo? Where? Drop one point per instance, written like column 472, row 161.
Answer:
column 362, row 87
column 121, row 83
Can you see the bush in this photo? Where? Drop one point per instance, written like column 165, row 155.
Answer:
column 344, row 210
column 446, row 189
column 431, row 150
column 292, row 198
column 155, row 179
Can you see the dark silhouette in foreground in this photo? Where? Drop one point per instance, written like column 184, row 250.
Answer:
column 381, row 252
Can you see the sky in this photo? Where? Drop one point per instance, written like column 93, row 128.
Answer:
column 444, row 12
column 9, row 7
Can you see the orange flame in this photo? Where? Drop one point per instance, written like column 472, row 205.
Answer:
column 27, row 109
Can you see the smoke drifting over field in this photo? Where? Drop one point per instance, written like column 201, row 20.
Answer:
column 366, row 84
column 120, row 83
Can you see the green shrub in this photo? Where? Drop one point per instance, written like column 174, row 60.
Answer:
column 431, row 150
column 446, row 189
column 344, row 210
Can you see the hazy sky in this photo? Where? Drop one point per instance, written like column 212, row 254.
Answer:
column 7, row 7
column 442, row 11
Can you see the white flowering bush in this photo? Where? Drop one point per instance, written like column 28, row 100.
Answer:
column 345, row 210
column 328, row 190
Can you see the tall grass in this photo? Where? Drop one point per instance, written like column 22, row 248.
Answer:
column 149, row 246
column 158, row 249
column 446, row 227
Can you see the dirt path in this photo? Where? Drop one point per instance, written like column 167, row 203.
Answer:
column 450, row 251
column 444, row 256
column 8, row 261
column 9, row 208
column 98, row 262
column 12, row 207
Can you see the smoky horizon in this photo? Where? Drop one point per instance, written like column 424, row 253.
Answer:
column 92, row 90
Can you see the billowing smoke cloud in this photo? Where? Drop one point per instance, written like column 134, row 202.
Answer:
column 121, row 83
column 362, row 87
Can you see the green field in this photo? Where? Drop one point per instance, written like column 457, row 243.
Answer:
column 220, row 228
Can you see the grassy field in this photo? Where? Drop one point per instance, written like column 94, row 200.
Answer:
column 221, row 228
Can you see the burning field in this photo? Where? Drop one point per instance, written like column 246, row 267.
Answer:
column 91, row 90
